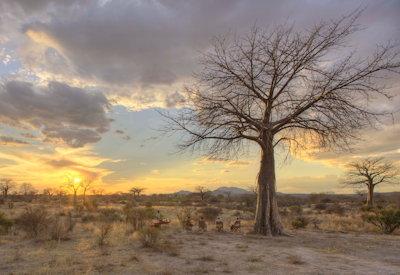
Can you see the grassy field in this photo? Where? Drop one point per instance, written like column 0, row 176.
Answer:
column 334, row 240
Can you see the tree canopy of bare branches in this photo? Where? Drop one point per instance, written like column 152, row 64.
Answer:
column 370, row 172
column 6, row 185
column 136, row 191
column 283, row 87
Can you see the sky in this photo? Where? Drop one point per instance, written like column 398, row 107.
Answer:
column 81, row 84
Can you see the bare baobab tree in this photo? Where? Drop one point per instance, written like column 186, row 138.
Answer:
column 136, row 191
column 283, row 87
column 370, row 172
column 6, row 185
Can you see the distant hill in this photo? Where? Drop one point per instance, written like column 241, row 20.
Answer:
column 182, row 193
column 233, row 191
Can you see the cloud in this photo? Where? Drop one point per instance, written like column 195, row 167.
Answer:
column 60, row 112
column 153, row 46
column 383, row 142
column 6, row 140
column 61, row 163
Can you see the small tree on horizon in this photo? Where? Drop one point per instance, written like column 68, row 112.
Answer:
column 6, row 185
column 369, row 173
column 136, row 191
column 282, row 87
column 73, row 186
column 86, row 184
column 202, row 190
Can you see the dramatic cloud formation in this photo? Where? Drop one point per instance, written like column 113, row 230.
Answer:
column 57, row 55
column 141, row 52
column 5, row 140
column 58, row 111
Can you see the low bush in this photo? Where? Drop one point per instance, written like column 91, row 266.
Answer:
column 110, row 215
column 387, row 220
column 5, row 224
column 210, row 213
column 137, row 217
column 59, row 228
column 296, row 210
column 103, row 233
column 320, row 206
column 335, row 209
column 91, row 205
column 149, row 237
column 182, row 213
column 34, row 221
column 300, row 222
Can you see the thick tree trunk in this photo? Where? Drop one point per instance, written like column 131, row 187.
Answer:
column 267, row 220
column 370, row 196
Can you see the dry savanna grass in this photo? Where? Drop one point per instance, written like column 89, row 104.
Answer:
column 57, row 239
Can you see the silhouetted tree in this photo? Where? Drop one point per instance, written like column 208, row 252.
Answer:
column 136, row 191
column 370, row 172
column 73, row 186
column 49, row 192
column 202, row 191
column 27, row 189
column 281, row 88
column 6, row 185
column 86, row 184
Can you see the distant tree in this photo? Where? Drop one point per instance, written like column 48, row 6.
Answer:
column 97, row 191
column 27, row 189
column 202, row 191
column 61, row 193
column 73, row 185
column 49, row 192
column 370, row 172
column 282, row 87
column 6, row 185
column 136, row 191
column 86, row 184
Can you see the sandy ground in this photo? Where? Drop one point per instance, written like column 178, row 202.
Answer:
column 201, row 253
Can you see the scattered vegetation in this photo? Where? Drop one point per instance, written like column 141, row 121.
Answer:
column 5, row 224
column 149, row 237
column 209, row 213
column 387, row 220
column 34, row 221
column 300, row 222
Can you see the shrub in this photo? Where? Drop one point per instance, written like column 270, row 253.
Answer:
column 387, row 220
column 33, row 221
column 110, row 215
column 182, row 213
column 5, row 224
column 59, row 228
column 335, row 209
column 296, row 209
column 103, row 233
column 91, row 205
column 149, row 237
column 137, row 216
column 300, row 222
column 209, row 213
column 320, row 206
column 88, row 218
